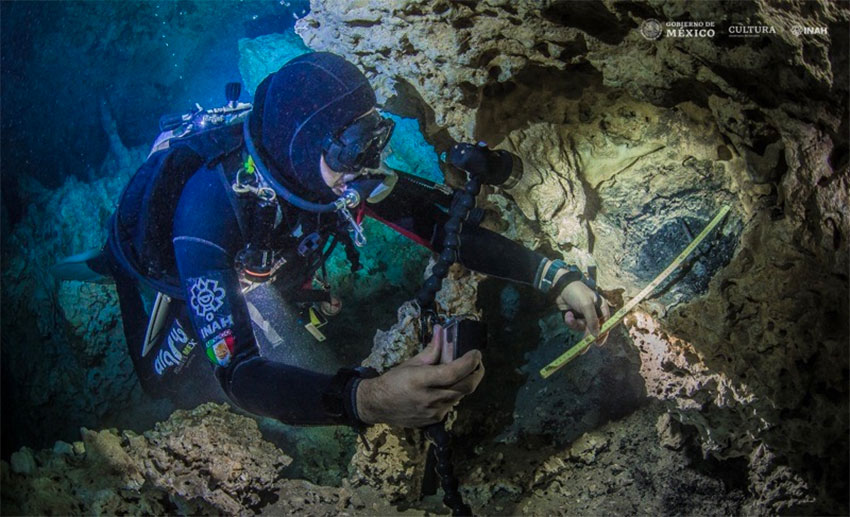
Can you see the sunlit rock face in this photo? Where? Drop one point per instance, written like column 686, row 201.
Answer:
column 630, row 145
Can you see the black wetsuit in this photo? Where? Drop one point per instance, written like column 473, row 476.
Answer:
column 212, row 329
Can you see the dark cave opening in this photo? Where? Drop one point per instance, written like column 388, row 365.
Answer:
column 507, row 106
column 731, row 471
column 592, row 17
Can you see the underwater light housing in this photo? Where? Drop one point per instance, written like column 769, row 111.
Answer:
column 491, row 166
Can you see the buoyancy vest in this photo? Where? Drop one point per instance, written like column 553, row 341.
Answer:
column 141, row 227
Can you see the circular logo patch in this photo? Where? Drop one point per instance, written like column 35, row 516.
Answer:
column 651, row 29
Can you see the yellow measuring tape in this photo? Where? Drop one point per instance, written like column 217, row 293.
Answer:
column 582, row 345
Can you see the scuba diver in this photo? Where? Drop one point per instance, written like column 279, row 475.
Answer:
column 259, row 194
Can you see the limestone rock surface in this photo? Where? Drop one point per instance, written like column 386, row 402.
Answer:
column 264, row 55
column 207, row 460
column 630, row 146
column 622, row 468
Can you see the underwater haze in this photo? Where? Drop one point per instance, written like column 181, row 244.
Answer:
column 723, row 392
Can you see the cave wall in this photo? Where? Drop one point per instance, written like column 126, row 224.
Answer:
column 64, row 360
column 630, row 146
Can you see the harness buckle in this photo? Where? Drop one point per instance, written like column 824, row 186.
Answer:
column 309, row 244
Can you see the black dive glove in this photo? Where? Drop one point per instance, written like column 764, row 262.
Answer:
column 340, row 398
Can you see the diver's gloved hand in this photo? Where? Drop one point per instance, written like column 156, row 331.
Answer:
column 419, row 391
column 576, row 297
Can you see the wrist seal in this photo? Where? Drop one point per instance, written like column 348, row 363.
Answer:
column 544, row 280
column 571, row 277
column 340, row 398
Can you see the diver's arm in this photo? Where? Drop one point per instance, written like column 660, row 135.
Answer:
column 413, row 394
column 417, row 210
column 488, row 252
column 220, row 318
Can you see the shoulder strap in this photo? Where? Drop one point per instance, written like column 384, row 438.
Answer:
column 226, row 171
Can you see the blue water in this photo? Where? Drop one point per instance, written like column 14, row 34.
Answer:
column 61, row 60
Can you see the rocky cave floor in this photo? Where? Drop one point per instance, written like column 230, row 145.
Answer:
column 524, row 446
column 212, row 460
column 628, row 467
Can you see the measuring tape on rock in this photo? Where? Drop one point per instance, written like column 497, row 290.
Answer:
column 618, row 316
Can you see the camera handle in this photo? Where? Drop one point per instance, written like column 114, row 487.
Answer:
column 439, row 456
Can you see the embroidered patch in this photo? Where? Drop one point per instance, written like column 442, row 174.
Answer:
column 217, row 324
column 175, row 350
column 220, row 348
column 206, row 297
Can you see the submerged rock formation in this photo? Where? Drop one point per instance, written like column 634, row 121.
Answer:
column 630, row 145
column 211, row 461
column 625, row 468
column 204, row 461
column 64, row 359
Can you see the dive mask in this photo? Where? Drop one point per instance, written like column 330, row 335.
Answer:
column 359, row 144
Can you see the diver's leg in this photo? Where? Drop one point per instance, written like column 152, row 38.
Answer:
column 175, row 366
column 135, row 321
column 183, row 372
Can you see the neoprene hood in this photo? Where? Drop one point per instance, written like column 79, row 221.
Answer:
column 297, row 107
